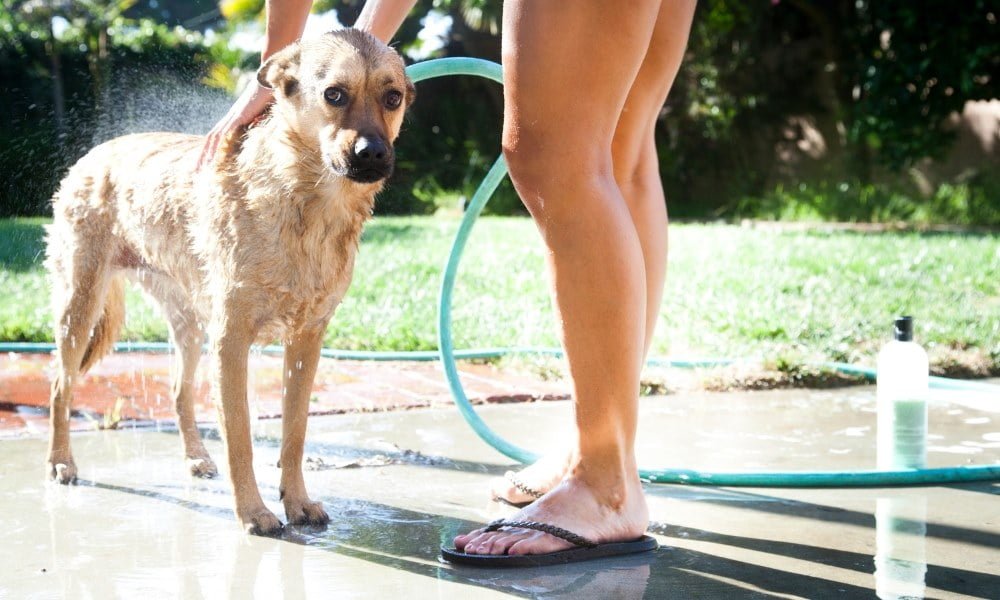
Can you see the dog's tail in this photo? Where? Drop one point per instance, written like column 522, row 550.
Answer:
column 109, row 325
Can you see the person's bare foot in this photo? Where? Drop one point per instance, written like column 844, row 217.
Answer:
column 610, row 515
column 533, row 481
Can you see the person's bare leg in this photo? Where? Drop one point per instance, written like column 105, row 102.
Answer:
column 637, row 173
column 566, row 78
column 637, row 169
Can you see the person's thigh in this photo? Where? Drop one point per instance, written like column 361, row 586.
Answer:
column 568, row 67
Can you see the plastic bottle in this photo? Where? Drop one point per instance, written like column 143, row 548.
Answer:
column 902, row 401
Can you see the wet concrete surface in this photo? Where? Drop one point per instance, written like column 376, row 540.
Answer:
column 399, row 485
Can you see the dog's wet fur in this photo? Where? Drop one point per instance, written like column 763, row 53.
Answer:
column 256, row 247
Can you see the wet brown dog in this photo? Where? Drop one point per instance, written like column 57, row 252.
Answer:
column 260, row 247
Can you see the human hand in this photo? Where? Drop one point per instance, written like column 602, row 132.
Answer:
column 251, row 103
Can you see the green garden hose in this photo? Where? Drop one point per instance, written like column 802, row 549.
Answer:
column 448, row 355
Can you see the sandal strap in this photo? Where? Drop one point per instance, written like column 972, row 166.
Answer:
column 552, row 530
column 521, row 487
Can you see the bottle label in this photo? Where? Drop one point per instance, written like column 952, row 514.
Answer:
column 902, row 434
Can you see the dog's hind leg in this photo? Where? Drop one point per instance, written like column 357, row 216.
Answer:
column 301, row 359
column 231, row 338
column 187, row 335
column 87, row 318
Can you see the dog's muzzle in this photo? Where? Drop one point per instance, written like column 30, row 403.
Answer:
column 371, row 160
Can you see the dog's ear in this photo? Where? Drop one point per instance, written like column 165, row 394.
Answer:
column 411, row 93
column 280, row 71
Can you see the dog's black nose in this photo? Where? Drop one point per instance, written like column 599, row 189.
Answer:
column 371, row 159
column 371, row 150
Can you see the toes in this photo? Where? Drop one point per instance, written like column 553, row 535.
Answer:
column 519, row 547
column 499, row 544
column 63, row 472
column 263, row 523
column 486, row 542
column 538, row 543
column 512, row 541
column 503, row 545
column 202, row 466
column 306, row 513
column 493, row 542
column 315, row 515
column 462, row 541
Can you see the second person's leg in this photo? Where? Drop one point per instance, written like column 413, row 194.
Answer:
column 567, row 75
column 637, row 174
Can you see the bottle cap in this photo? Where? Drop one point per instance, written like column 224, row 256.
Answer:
column 904, row 329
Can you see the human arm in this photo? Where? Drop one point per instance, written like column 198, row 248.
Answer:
column 382, row 18
column 286, row 19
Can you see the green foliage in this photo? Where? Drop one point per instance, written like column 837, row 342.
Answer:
column 973, row 203
column 916, row 63
column 238, row 11
column 147, row 36
column 879, row 78
column 54, row 89
column 481, row 15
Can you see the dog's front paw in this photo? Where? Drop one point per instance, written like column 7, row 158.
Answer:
column 262, row 522
column 306, row 512
column 202, row 466
column 62, row 471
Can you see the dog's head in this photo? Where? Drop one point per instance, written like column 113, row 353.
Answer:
column 344, row 92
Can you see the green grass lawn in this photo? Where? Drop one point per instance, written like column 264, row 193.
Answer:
column 783, row 295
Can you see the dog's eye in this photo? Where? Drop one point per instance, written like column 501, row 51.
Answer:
column 335, row 96
column 393, row 99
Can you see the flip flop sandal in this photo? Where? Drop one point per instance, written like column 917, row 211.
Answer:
column 521, row 487
column 585, row 549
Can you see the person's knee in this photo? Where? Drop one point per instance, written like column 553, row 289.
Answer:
column 543, row 167
column 635, row 161
column 528, row 157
